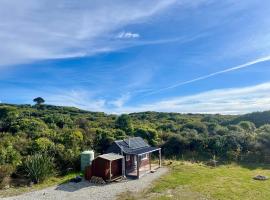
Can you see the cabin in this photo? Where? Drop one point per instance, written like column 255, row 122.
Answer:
column 137, row 155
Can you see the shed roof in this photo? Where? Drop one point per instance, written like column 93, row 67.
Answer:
column 111, row 156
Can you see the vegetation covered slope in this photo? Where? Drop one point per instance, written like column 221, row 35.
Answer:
column 63, row 132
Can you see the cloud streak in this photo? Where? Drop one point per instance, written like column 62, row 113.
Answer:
column 120, row 101
column 76, row 98
column 230, row 69
column 223, row 101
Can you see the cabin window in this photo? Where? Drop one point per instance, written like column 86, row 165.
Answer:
column 127, row 157
column 144, row 157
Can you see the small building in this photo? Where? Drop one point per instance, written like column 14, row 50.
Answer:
column 107, row 166
column 137, row 156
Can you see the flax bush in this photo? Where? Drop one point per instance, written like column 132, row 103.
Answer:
column 39, row 167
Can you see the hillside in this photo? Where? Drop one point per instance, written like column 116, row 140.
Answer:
column 258, row 118
column 63, row 132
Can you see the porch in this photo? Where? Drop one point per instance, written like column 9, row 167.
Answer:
column 143, row 170
column 140, row 161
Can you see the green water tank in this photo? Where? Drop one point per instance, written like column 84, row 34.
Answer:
column 86, row 158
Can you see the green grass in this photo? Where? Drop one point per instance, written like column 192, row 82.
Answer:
column 47, row 183
column 189, row 181
column 223, row 182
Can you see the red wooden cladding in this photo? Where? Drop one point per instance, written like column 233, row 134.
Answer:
column 101, row 168
column 88, row 173
column 116, row 168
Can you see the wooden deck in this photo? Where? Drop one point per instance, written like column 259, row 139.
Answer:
column 143, row 170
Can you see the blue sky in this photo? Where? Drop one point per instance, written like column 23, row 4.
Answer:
column 124, row 56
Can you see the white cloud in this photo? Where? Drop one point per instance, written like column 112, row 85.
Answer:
column 76, row 98
column 224, row 101
column 120, row 101
column 128, row 35
column 85, row 100
column 34, row 30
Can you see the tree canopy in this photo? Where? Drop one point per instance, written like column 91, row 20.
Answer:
column 39, row 100
column 64, row 132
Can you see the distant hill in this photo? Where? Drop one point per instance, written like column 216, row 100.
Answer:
column 258, row 118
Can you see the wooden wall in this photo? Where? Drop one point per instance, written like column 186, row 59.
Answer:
column 101, row 168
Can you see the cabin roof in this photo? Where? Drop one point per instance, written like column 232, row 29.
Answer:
column 111, row 156
column 134, row 145
column 144, row 150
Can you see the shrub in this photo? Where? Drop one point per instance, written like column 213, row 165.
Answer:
column 149, row 134
column 175, row 145
column 67, row 158
column 8, row 155
column 43, row 144
column 5, row 171
column 124, row 123
column 39, row 167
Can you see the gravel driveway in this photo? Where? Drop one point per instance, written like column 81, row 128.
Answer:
column 86, row 190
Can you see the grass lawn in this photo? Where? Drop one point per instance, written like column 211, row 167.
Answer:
column 197, row 181
column 49, row 182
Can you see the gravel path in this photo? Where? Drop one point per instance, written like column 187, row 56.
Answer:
column 86, row 190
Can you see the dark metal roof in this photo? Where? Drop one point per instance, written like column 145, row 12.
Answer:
column 131, row 144
column 144, row 150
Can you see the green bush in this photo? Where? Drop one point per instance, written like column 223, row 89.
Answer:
column 5, row 172
column 43, row 144
column 8, row 155
column 39, row 167
column 149, row 134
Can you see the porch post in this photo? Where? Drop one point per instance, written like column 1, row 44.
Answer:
column 138, row 166
column 159, row 157
column 110, row 170
column 150, row 160
column 124, row 166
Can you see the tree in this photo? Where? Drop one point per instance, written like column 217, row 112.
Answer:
column 263, row 139
column 103, row 140
column 39, row 100
column 120, row 134
column 32, row 127
column 197, row 125
column 43, row 144
column 249, row 127
column 8, row 155
column 72, row 138
column 149, row 134
column 123, row 122
column 175, row 145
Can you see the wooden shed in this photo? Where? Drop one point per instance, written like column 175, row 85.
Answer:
column 107, row 166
